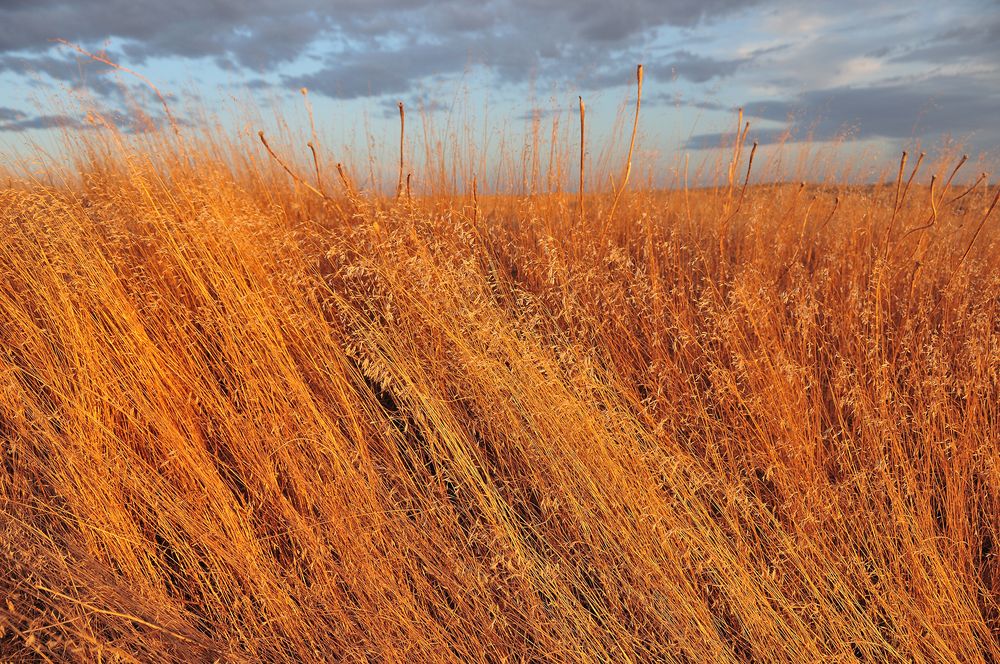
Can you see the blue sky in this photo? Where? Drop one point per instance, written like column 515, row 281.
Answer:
column 883, row 76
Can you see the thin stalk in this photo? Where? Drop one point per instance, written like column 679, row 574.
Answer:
column 583, row 112
column 115, row 65
column 631, row 146
column 402, row 127
column 979, row 229
column 289, row 170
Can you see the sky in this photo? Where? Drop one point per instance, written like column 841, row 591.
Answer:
column 876, row 77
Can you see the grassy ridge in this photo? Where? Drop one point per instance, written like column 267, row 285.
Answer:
column 243, row 422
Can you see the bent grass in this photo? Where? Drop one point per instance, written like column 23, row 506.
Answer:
column 245, row 418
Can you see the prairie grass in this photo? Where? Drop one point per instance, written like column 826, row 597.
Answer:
column 241, row 421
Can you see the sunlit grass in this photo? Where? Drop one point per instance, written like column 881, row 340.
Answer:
column 252, row 417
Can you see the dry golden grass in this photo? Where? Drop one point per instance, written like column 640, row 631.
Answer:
column 244, row 422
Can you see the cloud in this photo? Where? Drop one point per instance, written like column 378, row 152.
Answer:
column 10, row 114
column 723, row 140
column 363, row 74
column 678, row 100
column 897, row 110
column 698, row 68
column 368, row 47
column 891, row 110
column 414, row 105
column 23, row 123
column 78, row 72
column 834, row 64
column 258, row 34
column 190, row 28
column 600, row 20
column 15, row 121
column 976, row 40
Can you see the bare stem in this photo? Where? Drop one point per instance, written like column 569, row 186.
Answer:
column 746, row 180
column 289, row 170
column 979, row 228
column 475, row 199
column 971, row 189
column 631, row 146
column 115, row 65
column 582, row 148
column 319, row 179
column 896, row 201
column 402, row 126
column 346, row 181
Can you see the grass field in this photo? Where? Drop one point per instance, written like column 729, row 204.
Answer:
column 252, row 417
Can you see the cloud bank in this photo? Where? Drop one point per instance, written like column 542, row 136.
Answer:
column 825, row 68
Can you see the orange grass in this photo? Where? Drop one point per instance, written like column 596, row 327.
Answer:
column 243, row 422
